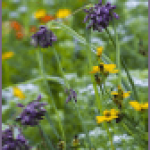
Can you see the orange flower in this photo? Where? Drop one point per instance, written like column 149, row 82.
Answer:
column 19, row 35
column 47, row 18
column 15, row 25
column 33, row 29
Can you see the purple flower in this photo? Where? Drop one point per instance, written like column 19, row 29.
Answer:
column 32, row 113
column 99, row 16
column 71, row 94
column 43, row 37
column 9, row 142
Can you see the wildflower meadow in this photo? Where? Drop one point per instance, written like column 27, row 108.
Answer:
column 74, row 75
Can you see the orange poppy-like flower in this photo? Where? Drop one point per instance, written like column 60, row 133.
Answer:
column 19, row 35
column 15, row 25
column 33, row 28
column 47, row 18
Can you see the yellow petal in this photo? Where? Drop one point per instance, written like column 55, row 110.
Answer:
column 144, row 106
column 99, row 50
column 7, row 55
column 114, row 93
column 18, row 93
column 95, row 69
column 127, row 94
column 135, row 105
column 63, row 13
column 40, row 14
column 100, row 119
column 114, row 112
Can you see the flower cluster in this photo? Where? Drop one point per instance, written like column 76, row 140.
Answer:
column 71, row 94
column 43, row 37
column 32, row 113
column 108, row 116
column 100, row 16
column 9, row 142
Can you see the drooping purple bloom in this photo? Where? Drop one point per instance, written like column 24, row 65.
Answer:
column 10, row 142
column 71, row 95
column 100, row 15
column 32, row 113
column 43, row 37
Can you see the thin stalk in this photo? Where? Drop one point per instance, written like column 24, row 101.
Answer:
column 84, row 128
column 45, row 138
column 35, row 80
column 60, row 67
column 98, row 99
column 67, row 84
column 109, row 135
column 118, row 56
column 41, row 68
column 105, row 124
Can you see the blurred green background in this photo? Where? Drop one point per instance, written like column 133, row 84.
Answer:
column 22, row 68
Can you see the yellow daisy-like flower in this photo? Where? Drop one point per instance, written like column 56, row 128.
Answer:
column 107, row 116
column 125, row 95
column 110, row 115
column 40, row 14
column 99, row 51
column 137, row 106
column 63, row 13
column 7, row 55
column 104, row 68
column 18, row 93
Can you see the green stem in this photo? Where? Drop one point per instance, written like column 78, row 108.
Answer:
column 118, row 56
column 60, row 68
column 44, row 136
column 41, row 68
column 67, row 84
column 35, row 80
column 109, row 135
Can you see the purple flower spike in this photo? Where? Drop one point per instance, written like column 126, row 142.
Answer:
column 9, row 142
column 43, row 38
column 71, row 94
column 39, row 97
column 32, row 113
column 68, row 99
column 99, row 16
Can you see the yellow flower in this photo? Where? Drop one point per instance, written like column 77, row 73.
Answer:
column 107, row 116
column 40, row 14
column 104, row 68
column 7, row 55
column 137, row 106
column 63, row 13
column 125, row 95
column 99, row 51
column 18, row 93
